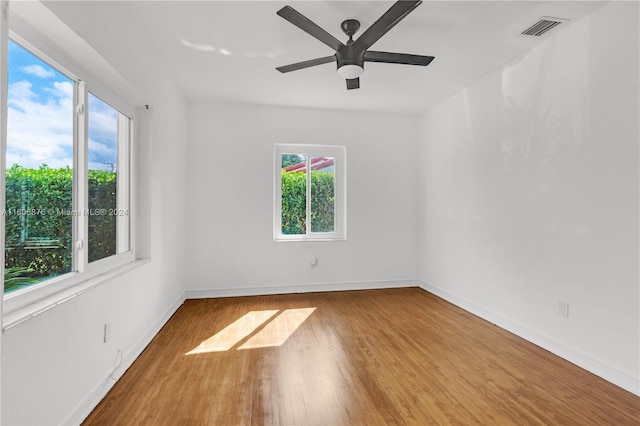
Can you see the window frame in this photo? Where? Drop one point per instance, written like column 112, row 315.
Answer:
column 339, row 153
column 57, row 289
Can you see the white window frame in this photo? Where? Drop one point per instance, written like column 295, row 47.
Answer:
column 339, row 153
column 4, row 47
column 28, row 301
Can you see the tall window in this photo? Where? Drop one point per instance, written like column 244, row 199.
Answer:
column 67, row 178
column 310, row 193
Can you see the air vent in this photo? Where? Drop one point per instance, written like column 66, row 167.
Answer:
column 542, row 26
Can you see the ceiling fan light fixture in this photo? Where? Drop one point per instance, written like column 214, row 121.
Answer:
column 350, row 72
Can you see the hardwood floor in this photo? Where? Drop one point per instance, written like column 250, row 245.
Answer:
column 375, row 357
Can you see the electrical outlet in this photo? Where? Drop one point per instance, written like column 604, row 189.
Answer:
column 107, row 332
column 563, row 309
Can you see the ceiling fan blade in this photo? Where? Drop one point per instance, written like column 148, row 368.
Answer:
column 305, row 24
column 306, row 64
column 353, row 83
column 387, row 21
column 397, row 58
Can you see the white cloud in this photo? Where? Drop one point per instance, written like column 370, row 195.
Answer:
column 102, row 119
column 101, row 156
column 40, row 127
column 38, row 71
column 40, row 131
column 100, row 148
column 62, row 89
column 20, row 91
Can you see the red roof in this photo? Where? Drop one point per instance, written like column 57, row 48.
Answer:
column 317, row 163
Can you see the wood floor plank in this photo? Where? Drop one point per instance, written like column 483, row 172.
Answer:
column 375, row 357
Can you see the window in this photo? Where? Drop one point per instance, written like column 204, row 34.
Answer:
column 310, row 193
column 67, row 177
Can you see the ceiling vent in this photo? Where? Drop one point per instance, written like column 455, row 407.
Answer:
column 542, row 26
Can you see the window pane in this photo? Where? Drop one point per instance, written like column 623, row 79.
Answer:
column 322, row 194
column 103, row 178
column 294, row 194
column 39, row 174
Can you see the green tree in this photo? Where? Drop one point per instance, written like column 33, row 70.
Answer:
column 322, row 201
column 102, row 227
column 38, row 237
column 38, row 222
column 291, row 159
column 294, row 202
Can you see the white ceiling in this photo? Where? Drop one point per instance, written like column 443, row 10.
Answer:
column 228, row 51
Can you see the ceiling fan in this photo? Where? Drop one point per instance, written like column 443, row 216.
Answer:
column 350, row 57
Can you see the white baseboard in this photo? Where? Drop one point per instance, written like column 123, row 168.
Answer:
column 84, row 408
column 304, row 288
column 577, row 357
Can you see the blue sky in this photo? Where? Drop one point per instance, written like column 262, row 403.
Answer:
column 40, row 117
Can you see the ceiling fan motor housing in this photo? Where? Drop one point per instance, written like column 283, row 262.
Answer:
column 348, row 56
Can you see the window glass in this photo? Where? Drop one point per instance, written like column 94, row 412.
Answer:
column 102, row 178
column 39, row 171
column 322, row 194
column 294, row 194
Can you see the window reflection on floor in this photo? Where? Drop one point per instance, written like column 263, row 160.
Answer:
column 275, row 333
column 279, row 330
column 229, row 336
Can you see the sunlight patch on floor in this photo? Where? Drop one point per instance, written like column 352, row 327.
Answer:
column 279, row 330
column 229, row 336
column 275, row 333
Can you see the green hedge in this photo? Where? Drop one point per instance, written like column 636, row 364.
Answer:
column 38, row 220
column 38, row 226
column 294, row 197
column 102, row 228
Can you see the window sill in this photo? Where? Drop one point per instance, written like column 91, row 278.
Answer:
column 25, row 313
column 310, row 240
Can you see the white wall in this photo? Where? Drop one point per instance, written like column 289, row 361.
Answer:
column 55, row 367
column 230, row 203
column 529, row 192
